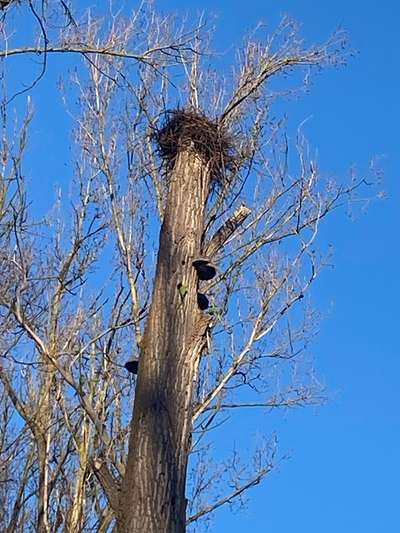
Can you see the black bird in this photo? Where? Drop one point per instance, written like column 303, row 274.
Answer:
column 205, row 268
column 202, row 301
column 132, row 366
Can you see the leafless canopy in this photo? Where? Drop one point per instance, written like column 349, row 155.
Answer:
column 76, row 283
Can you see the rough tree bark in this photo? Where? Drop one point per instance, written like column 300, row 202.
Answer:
column 153, row 491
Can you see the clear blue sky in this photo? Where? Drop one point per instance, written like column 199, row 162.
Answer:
column 344, row 468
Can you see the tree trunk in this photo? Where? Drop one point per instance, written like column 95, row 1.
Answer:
column 153, row 490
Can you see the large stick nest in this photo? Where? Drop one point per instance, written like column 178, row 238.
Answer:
column 189, row 130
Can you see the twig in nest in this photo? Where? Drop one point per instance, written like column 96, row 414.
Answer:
column 189, row 130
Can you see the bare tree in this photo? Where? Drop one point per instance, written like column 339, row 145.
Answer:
column 214, row 321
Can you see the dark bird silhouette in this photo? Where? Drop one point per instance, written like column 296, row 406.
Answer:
column 205, row 268
column 132, row 366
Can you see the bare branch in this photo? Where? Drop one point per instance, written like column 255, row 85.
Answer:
column 109, row 484
column 226, row 230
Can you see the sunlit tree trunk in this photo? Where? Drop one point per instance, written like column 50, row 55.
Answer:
column 153, row 492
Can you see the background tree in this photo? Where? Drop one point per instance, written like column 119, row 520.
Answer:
column 164, row 144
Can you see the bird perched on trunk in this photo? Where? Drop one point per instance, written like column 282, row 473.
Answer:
column 132, row 366
column 206, row 270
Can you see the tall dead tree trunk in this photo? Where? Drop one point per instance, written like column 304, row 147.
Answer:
column 153, row 491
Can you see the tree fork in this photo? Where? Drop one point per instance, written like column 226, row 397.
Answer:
column 153, row 489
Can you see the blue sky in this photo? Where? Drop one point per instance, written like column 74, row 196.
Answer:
column 344, row 467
